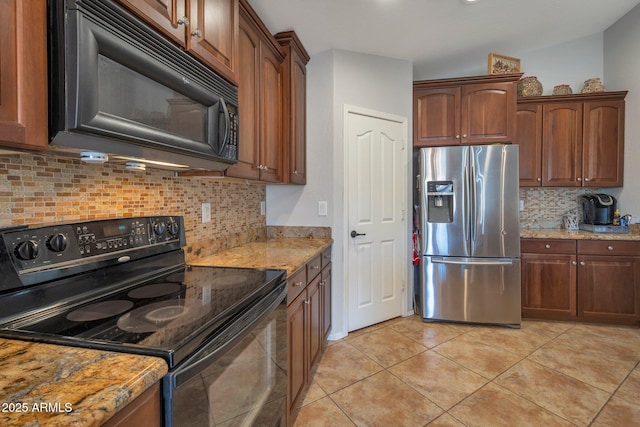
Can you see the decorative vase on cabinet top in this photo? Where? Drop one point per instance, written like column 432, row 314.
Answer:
column 593, row 85
column 562, row 90
column 529, row 86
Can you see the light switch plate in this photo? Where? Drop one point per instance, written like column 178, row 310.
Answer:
column 263, row 208
column 206, row 212
column 322, row 208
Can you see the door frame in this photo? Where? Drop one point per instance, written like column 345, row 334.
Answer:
column 407, row 278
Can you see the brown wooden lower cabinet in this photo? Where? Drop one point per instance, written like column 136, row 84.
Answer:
column 308, row 323
column 144, row 410
column 583, row 280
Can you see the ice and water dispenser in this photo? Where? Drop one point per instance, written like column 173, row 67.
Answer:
column 439, row 201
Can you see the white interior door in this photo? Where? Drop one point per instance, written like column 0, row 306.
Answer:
column 375, row 200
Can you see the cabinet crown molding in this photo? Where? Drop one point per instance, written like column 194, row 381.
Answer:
column 459, row 81
column 576, row 97
column 290, row 38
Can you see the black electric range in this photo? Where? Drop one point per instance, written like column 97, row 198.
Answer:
column 121, row 285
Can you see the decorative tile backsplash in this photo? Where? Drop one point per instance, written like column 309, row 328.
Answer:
column 544, row 207
column 46, row 188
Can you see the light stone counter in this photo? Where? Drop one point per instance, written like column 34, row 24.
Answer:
column 287, row 253
column 52, row 385
column 560, row 233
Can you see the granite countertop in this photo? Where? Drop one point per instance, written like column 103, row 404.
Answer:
column 287, row 253
column 52, row 385
column 561, row 233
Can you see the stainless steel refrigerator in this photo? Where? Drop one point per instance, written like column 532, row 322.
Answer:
column 470, row 269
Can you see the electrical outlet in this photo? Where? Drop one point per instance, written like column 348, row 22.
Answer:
column 322, row 208
column 263, row 208
column 206, row 212
column 521, row 205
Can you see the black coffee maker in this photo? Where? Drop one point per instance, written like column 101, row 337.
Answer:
column 597, row 208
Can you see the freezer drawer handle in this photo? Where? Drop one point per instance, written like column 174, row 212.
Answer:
column 467, row 261
column 354, row 234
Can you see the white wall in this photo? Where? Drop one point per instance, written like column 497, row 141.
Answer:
column 336, row 78
column 622, row 72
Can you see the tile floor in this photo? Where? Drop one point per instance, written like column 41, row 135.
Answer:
column 405, row 372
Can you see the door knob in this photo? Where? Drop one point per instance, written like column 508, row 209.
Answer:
column 354, row 233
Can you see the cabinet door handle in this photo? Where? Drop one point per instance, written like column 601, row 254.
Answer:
column 586, row 179
column 322, row 283
column 298, row 284
column 183, row 21
column 574, row 263
column 548, row 246
column 582, row 263
column 196, row 33
column 307, row 302
column 610, row 248
column 579, row 179
column 539, row 179
column 315, row 267
column 457, row 136
column 464, row 135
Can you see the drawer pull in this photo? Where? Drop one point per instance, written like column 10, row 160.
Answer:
column 582, row 263
column 548, row 246
column 610, row 248
column 574, row 263
column 298, row 284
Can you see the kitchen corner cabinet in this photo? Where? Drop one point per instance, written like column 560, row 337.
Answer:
column 309, row 321
column 571, row 140
column 467, row 110
column 260, row 101
column 208, row 29
column 583, row 280
column 23, row 71
column 294, row 107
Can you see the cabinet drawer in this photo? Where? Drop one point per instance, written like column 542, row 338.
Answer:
column 548, row 246
column 608, row 247
column 313, row 267
column 326, row 257
column 296, row 284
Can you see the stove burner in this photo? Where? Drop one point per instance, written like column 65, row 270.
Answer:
column 164, row 314
column 154, row 291
column 176, row 277
column 231, row 280
column 99, row 310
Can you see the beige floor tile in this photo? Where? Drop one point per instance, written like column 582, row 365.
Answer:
column 545, row 328
column 341, row 365
column 618, row 413
column 517, row 341
column 483, row 359
column 386, row 346
column 445, row 420
column 442, row 381
column 384, row 400
column 314, row 393
column 630, row 388
column 494, row 406
column 427, row 334
column 605, row 373
column 607, row 342
column 563, row 395
column 322, row 413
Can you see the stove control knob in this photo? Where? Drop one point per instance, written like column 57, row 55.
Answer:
column 58, row 242
column 28, row 250
column 174, row 227
column 159, row 228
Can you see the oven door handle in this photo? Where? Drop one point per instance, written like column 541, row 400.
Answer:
column 226, row 339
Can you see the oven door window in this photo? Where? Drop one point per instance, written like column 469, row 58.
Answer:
column 246, row 386
column 129, row 94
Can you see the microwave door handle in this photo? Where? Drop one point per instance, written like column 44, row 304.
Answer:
column 227, row 125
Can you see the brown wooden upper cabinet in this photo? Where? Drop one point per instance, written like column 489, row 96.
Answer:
column 260, row 101
column 571, row 140
column 467, row 110
column 23, row 81
column 208, row 29
column 294, row 107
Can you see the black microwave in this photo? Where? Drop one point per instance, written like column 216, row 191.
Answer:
column 120, row 88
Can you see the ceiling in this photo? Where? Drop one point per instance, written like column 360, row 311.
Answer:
column 434, row 34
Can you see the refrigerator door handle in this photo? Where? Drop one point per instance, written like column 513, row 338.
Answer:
column 466, row 221
column 472, row 261
column 472, row 190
